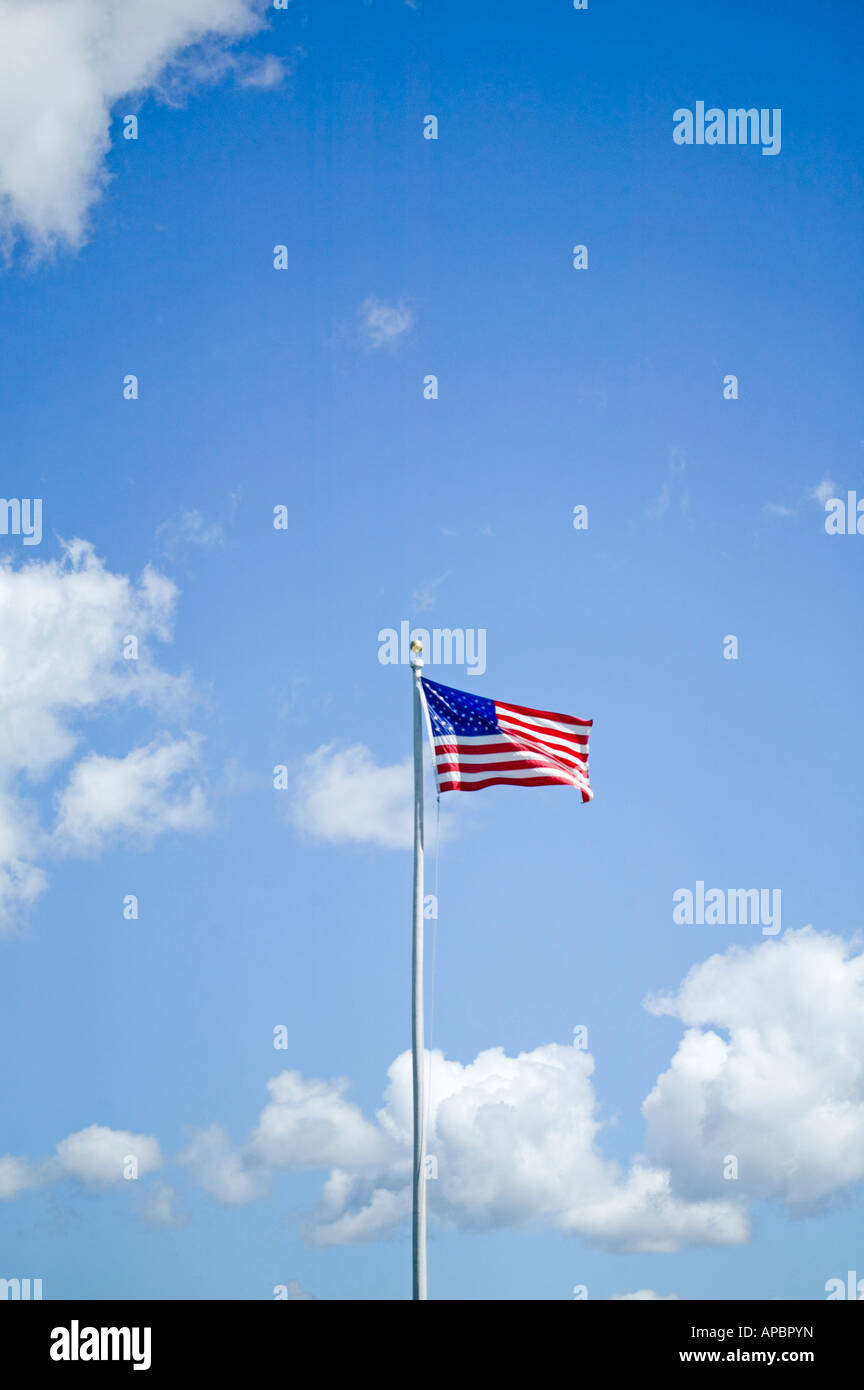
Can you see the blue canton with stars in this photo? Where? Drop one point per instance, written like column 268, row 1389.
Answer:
column 456, row 712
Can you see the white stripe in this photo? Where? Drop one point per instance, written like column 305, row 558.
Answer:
column 514, row 775
column 505, row 714
column 548, row 740
column 554, row 735
column 450, row 740
column 545, row 740
column 512, row 747
column 508, row 756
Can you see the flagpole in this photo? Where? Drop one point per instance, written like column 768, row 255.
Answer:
column 418, row 1233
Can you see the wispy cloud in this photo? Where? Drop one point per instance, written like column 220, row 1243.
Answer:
column 262, row 73
column 382, row 323
column 820, row 494
column 190, row 528
column 674, row 487
column 426, row 596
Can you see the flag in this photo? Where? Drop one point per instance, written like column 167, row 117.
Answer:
column 484, row 743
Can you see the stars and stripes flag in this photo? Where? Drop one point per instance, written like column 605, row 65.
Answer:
column 485, row 743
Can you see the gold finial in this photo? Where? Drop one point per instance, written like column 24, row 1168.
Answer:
column 416, row 646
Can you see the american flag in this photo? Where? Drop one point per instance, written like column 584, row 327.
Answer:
column 483, row 743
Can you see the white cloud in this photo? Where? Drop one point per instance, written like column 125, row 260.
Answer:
column 141, row 795
column 16, row 1176
column 823, row 491
column 345, row 796
column 269, row 72
column 306, row 1125
column 309, row 1124
column 515, row 1143
column 63, row 625
column 518, row 1140
column 64, row 64
column 161, row 1208
column 21, row 881
column 382, row 323
column 97, row 1156
column 770, row 1071
column 222, row 1172
column 352, row 1211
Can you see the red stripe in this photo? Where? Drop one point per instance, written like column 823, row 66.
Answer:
column 449, row 756
column 544, row 714
column 540, row 731
column 451, row 786
column 527, row 761
column 444, row 746
column 552, row 750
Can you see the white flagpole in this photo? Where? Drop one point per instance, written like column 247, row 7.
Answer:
column 417, row 1041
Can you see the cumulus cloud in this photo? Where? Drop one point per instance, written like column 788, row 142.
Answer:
column 220, row 1170
column 382, row 323
column 63, row 627
column 97, row 1156
column 345, row 796
column 16, row 1176
column 64, row 64
column 309, row 1124
column 770, row 1071
column 140, row 795
column 515, row 1144
column 342, row 796
column 518, row 1140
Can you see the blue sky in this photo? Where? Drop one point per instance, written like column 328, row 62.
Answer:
column 261, row 387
